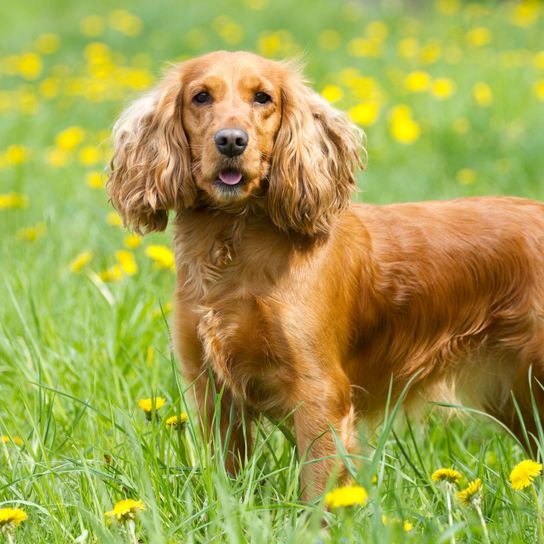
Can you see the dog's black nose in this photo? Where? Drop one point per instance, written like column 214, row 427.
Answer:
column 231, row 141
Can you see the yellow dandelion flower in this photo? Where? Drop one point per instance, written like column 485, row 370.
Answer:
column 95, row 180
column 471, row 493
column 114, row 219
column 11, row 517
column 269, row 44
column 138, row 79
column 364, row 47
column 466, row 176
column 256, row 5
column 88, row 155
column 5, row 439
column 478, row 37
column 408, row 48
column 31, row 233
column 447, row 7
column 127, row 262
column 377, row 30
column 431, row 52
column 125, row 510
column 13, row 200
column 30, row 65
column 125, row 22
column 346, row 496
column 147, row 405
column 365, row 113
column 70, row 138
column 329, row 40
column 230, row 31
column 539, row 89
column 402, row 127
column 417, row 82
column 161, row 255
column 482, row 93
column 132, row 241
column 538, row 60
column 526, row 12
column 47, row 43
column 5, row 100
column 79, row 262
column 407, row 526
column 442, row 88
column 112, row 274
column 446, row 475
column 365, row 88
column 523, row 474
column 97, row 53
column 177, row 422
column 16, row 154
column 57, row 157
column 332, row 93
column 163, row 310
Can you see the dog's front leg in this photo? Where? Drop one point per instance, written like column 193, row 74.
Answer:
column 225, row 421
column 318, row 427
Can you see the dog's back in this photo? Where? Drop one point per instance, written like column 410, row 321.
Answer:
column 456, row 295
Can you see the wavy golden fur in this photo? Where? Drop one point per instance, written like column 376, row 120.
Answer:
column 293, row 300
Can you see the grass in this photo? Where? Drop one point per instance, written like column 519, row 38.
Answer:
column 77, row 352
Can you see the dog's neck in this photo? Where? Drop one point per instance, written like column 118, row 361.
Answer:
column 215, row 248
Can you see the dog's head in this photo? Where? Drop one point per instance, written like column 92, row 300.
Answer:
column 227, row 128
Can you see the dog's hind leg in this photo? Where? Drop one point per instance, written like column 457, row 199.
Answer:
column 523, row 411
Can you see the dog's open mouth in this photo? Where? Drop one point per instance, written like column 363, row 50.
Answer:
column 232, row 178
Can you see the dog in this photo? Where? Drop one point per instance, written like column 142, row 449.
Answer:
column 289, row 298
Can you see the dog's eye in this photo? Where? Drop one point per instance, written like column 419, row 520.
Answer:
column 202, row 98
column 262, row 98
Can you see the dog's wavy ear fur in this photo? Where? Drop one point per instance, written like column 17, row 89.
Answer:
column 316, row 152
column 151, row 165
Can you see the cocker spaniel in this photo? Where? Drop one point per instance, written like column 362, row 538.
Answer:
column 292, row 299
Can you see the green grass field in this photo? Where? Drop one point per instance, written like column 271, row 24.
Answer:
column 451, row 96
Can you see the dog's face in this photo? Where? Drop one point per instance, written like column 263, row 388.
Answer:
column 224, row 128
column 231, row 113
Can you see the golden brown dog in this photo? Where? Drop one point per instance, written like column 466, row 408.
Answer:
column 294, row 300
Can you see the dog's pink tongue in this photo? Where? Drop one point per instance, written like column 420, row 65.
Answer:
column 230, row 178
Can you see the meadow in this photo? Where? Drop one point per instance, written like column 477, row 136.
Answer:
column 451, row 96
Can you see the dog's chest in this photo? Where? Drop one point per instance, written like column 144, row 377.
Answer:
column 244, row 353
column 232, row 287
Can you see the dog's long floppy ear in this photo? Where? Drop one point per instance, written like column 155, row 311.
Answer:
column 316, row 152
column 150, row 169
